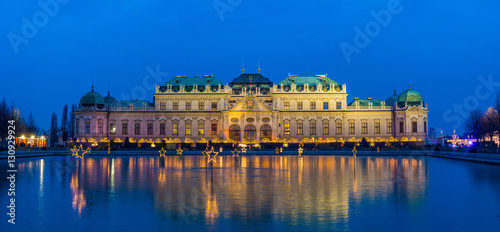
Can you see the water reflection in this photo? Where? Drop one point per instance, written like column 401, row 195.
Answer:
column 248, row 189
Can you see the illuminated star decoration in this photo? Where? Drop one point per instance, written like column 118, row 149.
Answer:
column 85, row 152
column 354, row 152
column 205, row 153
column 236, row 152
column 162, row 152
column 179, row 151
column 210, row 157
column 244, row 150
column 300, row 151
column 277, row 150
column 76, row 150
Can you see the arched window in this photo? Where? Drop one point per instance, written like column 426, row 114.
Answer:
column 235, row 132
column 250, row 132
column 266, row 132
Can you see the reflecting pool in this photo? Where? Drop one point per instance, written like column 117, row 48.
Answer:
column 270, row 193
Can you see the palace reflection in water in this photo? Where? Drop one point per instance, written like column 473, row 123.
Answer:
column 249, row 189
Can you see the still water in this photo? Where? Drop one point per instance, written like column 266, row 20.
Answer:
column 270, row 193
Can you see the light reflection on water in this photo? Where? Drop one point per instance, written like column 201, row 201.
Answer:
column 176, row 192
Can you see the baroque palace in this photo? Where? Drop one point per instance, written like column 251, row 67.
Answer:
column 252, row 109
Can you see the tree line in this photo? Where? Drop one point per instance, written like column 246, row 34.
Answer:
column 23, row 126
column 67, row 128
column 484, row 124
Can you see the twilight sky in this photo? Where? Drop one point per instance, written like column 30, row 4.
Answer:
column 51, row 57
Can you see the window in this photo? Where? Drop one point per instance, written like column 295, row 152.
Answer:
column 137, row 128
column 201, row 128
column 101, row 128
column 201, row 105
column 214, row 105
column 389, row 127
column 77, row 127
column 352, row 129
column 425, row 127
column 287, row 128
column 414, row 128
column 112, row 128
column 339, row 128
column 326, row 128
column 124, row 128
column 313, row 128
column 300, row 128
column 401, row 127
column 364, row 128
column 176, row 106
column 87, row 127
column 175, row 126
column 188, row 105
column 188, row 128
column 339, row 105
column 287, row 105
column 377, row 128
column 150, row 128
column 325, row 105
column 163, row 105
column 162, row 128
column 313, row 105
column 214, row 128
column 299, row 105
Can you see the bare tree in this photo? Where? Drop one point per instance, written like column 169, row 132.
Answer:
column 4, row 117
column 31, row 126
column 71, row 122
column 473, row 123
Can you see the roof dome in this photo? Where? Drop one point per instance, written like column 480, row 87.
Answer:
column 410, row 95
column 390, row 101
column 92, row 98
column 110, row 101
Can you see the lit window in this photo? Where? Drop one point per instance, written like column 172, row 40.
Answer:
column 174, row 129
column 299, row 105
column 377, row 127
column 352, row 129
column 112, row 128
column 364, row 128
column 313, row 128
column 339, row 128
column 287, row 128
column 389, row 127
column 214, row 128
column 201, row 128
column 188, row 128
column 214, row 105
column 300, row 128
column 326, row 128
column 313, row 105
column 287, row 105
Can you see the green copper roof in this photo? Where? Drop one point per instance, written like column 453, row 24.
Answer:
column 390, row 101
column 308, row 80
column 410, row 95
column 246, row 78
column 110, row 101
column 365, row 102
column 92, row 98
column 190, row 81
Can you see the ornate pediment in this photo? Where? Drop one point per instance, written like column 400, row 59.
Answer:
column 87, row 110
column 414, row 109
column 250, row 104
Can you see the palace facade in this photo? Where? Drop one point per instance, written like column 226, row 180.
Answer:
column 252, row 109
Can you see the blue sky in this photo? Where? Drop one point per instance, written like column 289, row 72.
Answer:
column 441, row 47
